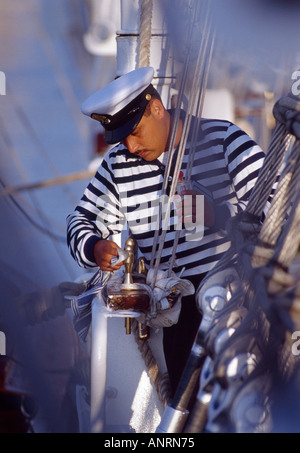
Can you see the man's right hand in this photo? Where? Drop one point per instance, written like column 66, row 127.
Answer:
column 104, row 250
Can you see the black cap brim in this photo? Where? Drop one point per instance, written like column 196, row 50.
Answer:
column 114, row 136
column 123, row 123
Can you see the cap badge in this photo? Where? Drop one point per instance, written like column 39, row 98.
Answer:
column 102, row 118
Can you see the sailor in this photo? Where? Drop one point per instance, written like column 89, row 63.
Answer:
column 128, row 185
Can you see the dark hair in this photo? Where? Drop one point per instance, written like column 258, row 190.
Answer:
column 154, row 95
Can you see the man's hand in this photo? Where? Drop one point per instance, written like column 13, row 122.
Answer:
column 189, row 210
column 104, row 251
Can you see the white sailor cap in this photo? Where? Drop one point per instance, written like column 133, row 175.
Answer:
column 120, row 105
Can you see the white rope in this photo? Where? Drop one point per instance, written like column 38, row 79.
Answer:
column 145, row 33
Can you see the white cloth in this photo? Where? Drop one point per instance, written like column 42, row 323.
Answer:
column 164, row 315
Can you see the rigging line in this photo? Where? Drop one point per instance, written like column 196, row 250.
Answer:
column 178, row 161
column 203, row 72
column 183, row 82
column 32, row 221
column 156, row 257
column 280, row 141
column 287, row 247
column 195, row 130
column 40, row 147
column 52, row 236
column 195, row 95
column 199, row 98
column 45, row 228
column 63, row 81
column 283, row 198
column 179, row 158
column 190, row 110
column 49, row 182
column 11, row 149
column 277, row 150
column 168, row 168
column 36, row 204
column 12, row 153
column 8, row 191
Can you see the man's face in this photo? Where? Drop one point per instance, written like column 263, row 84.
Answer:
column 150, row 138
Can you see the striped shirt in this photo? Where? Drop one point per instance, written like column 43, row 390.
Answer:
column 127, row 188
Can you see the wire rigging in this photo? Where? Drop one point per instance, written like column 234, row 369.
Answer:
column 195, row 104
column 32, row 221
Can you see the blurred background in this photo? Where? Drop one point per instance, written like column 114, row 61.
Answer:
column 53, row 55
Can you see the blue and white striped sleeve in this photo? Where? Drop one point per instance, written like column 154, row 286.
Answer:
column 97, row 216
column 244, row 159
